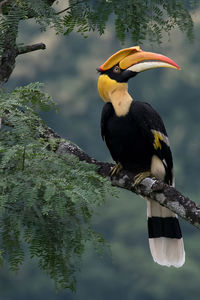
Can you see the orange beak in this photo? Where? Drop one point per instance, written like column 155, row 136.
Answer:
column 136, row 60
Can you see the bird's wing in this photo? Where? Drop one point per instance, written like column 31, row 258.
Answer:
column 105, row 115
column 153, row 129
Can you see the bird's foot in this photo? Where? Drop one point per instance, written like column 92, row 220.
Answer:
column 115, row 170
column 140, row 176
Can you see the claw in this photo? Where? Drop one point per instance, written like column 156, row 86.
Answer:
column 140, row 176
column 116, row 169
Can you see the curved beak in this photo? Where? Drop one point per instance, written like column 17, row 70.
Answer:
column 136, row 60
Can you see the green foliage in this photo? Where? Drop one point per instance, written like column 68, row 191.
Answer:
column 9, row 25
column 46, row 201
column 140, row 19
column 18, row 10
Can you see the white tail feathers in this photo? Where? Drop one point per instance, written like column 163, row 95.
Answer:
column 165, row 238
column 167, row 252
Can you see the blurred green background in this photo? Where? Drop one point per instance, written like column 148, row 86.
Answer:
column 68, row 69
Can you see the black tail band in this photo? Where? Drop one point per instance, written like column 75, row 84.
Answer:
column 164, row 227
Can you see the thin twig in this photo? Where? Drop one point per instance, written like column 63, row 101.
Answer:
column 23, row 158
column 69, row 7
column 62, row 11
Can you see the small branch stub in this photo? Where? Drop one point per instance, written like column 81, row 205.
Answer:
column 31, row 48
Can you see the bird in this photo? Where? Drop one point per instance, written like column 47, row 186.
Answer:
column 138, row 142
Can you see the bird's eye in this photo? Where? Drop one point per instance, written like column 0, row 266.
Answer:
column 116, row 69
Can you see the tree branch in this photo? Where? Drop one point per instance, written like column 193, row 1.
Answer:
column 7, row 60
column 154, row 189
column 30, row 48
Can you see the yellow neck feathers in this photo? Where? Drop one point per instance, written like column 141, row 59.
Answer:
column 115, row 92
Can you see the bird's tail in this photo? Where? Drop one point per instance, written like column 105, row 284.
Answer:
column 165, row 238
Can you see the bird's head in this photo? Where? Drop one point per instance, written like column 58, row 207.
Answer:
column 125, row 64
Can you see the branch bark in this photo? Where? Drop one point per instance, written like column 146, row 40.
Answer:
column 156, row 190
column 7, row 60
column 30, row 48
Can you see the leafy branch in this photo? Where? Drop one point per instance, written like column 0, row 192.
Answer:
column 46, row 200
column 138, row 20
column 50, row 189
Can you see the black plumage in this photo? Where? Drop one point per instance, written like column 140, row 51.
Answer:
column 131, row 141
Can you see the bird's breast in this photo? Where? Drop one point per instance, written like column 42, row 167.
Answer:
column 127, row 144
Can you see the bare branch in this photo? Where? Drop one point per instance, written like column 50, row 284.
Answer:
column 30, row 48
column 154, row 189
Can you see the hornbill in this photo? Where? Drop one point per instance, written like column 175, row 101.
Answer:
column 137, row 140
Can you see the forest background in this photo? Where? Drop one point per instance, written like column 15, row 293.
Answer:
column 68, row 69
